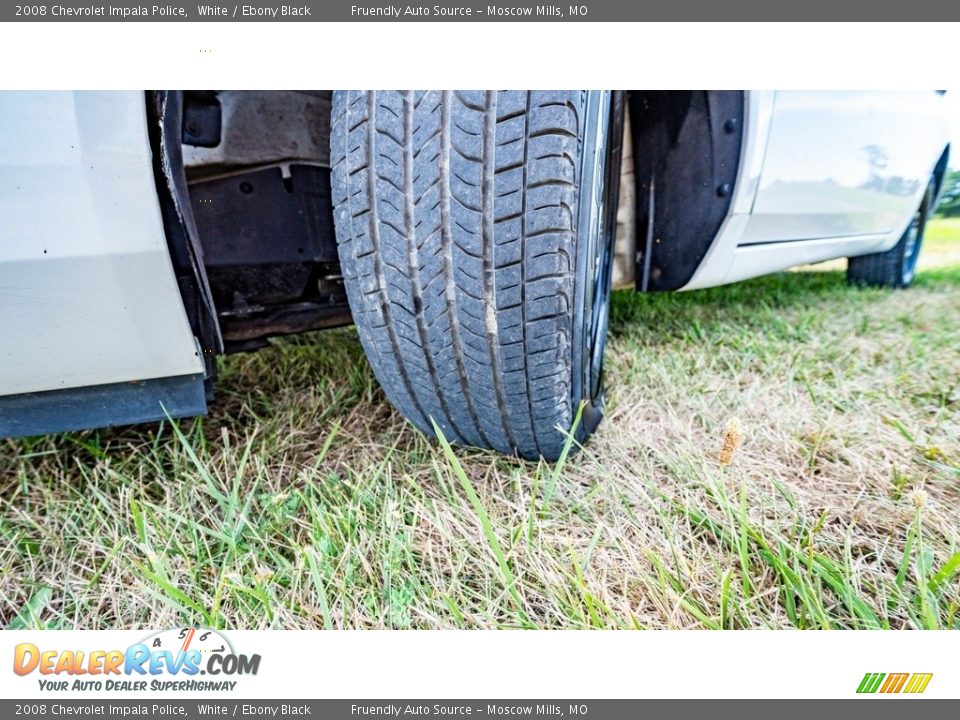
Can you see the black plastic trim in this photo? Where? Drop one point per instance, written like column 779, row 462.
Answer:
column 98, row 406
column 686, row 158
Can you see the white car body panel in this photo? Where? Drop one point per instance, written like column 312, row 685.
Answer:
column 824, row 175
column 88, row 294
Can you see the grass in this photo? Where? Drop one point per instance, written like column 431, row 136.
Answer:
column 304, row 501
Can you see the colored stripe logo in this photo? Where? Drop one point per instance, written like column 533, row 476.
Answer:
column 913, row 683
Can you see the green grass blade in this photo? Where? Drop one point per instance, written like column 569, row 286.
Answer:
column 510, row 582
column 29, row 616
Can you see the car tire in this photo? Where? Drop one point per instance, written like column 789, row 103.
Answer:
column 896, row 267
column 475, row 239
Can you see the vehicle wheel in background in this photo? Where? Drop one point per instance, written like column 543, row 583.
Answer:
column 475, row 240
column 896, row 267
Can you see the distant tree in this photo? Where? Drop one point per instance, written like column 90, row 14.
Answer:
column 950, row 200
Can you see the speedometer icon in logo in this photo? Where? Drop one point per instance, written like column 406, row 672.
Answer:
column 182, row 640
column 191, row 651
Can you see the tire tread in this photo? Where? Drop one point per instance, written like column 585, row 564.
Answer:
column 455, row 214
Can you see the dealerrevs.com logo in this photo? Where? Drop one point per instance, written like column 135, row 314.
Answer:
column 170, row 660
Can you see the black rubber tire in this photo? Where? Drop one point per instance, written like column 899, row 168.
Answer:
column 896, row 267
column 460, row 221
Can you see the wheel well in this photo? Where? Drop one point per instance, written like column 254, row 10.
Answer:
column 257, row 168
column 254, row 170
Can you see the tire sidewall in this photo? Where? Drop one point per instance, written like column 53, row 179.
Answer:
column 596, row 230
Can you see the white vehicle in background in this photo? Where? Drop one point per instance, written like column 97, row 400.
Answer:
column 472, row 237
